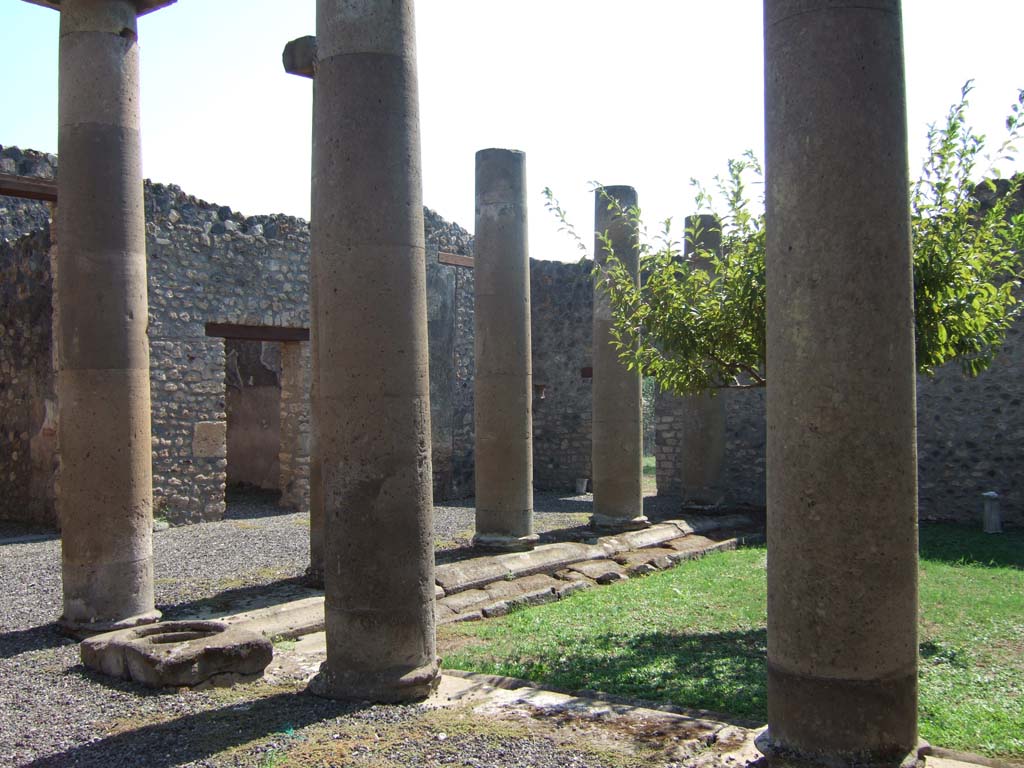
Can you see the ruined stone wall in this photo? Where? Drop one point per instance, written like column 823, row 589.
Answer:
column 562, row 305
column 28, row 403
column 20, row 217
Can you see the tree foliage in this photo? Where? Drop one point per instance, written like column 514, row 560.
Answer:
column 696, row 321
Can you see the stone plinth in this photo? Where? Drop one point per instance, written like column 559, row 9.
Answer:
column 179, row 654
column 504, row 376
column 842, row 495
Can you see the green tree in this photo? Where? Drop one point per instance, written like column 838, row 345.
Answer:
column 697, row 320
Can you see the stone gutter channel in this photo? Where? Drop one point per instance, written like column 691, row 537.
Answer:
column 492, row 585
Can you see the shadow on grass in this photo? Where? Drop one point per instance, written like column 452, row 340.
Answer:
column 721, row 672
column 958, row 544
column 197, row 736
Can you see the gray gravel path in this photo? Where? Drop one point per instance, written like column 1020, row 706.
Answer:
column 54, row 713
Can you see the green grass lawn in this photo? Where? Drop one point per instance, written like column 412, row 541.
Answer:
column 695, row 636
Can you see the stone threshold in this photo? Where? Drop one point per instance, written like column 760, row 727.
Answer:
column 492, row 585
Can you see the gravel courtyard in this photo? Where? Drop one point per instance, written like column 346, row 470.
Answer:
column 55, row 713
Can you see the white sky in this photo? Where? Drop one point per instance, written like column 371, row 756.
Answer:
column 647, row 93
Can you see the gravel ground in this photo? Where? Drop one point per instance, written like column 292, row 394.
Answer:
column 55, row 713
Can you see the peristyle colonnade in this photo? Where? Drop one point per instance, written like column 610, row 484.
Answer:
column 841, row 454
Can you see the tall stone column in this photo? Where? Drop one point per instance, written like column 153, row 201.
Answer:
column 106, row 489
column 371, row 334
column 841, row 490
column 299, row 58
column 503, row 383
column 617, row 453
column 702, row 416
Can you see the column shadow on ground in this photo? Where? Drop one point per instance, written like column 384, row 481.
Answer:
column 197, row 736
column 38, row 638
column 723, row 673
column 240, row 599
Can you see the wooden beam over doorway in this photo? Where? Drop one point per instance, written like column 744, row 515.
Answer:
column 256, row 332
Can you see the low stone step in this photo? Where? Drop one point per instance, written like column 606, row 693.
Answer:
column 286, row 621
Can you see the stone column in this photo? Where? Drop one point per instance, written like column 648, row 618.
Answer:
column 617, row 452
column 841, row 488
column 503, row 383
column 371, row 334
column 106, row 488
column 702, row 417
column 299, row 58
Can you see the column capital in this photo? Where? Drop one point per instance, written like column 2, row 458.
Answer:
column 299, row 56
column 142, row 6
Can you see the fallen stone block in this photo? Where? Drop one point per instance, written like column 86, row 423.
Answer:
column 647, row 560
column 601, row 571
column 568, row 587
column 179, row 654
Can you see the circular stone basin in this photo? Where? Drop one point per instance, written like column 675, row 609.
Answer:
column 179, row 653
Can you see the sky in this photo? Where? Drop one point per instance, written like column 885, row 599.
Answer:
column 648, row 93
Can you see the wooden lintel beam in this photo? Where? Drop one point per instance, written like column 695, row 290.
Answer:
column 28, row 187
column 454, row 259
column 256, row 332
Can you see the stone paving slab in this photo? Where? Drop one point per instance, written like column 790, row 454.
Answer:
column 643, row 561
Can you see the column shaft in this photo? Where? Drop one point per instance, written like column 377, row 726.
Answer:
column 841, row 487
column 106, row 493
column 503, row 382
column 617, row 453
column 315, row 571
column 702, row 417
column 371, row 334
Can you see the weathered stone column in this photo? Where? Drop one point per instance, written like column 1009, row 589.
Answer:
column 299, row 58
column 371, row 333
column 503, row 383
column 106, row 487
column 702, row 417
column 617, row 453
column 841, row 488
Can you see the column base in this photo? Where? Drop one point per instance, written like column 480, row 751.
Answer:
column 80, row 630
column 502, row 543
column 314, row 577
column 386, row 687
column 778, row 756
column 608, row 523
